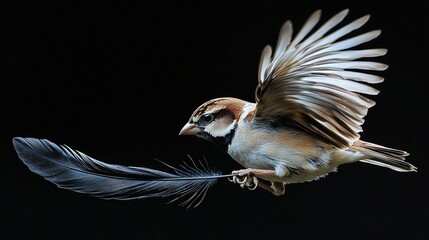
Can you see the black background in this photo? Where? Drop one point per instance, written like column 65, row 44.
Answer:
column 118, row 80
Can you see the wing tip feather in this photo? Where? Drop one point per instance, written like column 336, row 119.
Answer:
column 377, row 32
column 366, row 17
column 286, row 24
column 362, row 20
column 316, row 13
column 264, row 62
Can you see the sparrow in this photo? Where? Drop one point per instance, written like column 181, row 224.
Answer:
column 309, row 109
column 305, row 123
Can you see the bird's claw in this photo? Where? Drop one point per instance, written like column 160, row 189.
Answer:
column 244, row 179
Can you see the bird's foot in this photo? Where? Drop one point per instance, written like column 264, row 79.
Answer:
column 245, row 178
column 248, row 178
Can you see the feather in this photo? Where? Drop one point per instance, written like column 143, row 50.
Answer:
column 340, row 32
column 356, row 76
column 334, row 21
column 346, row 84
column 343, row 56
column 263, row 64
column 359, row 65
column 285, row 37
column 75, row 171
column 308, row 26
column 331, row 23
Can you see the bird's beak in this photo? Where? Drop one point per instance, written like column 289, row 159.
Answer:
column 189, row 129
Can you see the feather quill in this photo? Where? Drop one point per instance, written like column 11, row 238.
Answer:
column 75, row 171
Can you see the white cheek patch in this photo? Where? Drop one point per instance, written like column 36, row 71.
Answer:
column 220, row 127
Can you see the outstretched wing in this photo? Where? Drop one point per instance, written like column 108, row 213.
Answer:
column 311, row 82
column 78, row 172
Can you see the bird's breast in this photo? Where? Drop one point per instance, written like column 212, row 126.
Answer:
column 273, row 149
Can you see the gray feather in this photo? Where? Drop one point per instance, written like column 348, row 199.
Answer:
column 75, row 171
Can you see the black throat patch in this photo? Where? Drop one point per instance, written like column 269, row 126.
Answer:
column 223, row 142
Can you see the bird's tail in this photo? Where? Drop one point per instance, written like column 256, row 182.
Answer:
column 384, row 156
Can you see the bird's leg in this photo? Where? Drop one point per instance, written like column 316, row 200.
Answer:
column 248, row 178
column 255, row 172
column 277, row 188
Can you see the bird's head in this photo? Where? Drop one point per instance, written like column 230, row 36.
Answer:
column 215, row 120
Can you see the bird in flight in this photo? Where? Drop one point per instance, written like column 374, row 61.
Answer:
column 305, row 123
column 308, row 111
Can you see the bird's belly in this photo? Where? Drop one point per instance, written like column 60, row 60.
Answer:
column 302, row 164
column 307, row 176
column 299, row 169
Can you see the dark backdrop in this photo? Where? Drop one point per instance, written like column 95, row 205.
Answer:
column 118, row 81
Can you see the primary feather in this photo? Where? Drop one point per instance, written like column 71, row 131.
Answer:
column 73, row 170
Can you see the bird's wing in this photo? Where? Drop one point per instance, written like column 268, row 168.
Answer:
column 73, row 170
column 311, row 80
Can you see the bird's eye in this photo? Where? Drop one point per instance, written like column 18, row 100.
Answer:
column 208, row 118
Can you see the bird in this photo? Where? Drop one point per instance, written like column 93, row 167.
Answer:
column 308, row 112
column 304, row 124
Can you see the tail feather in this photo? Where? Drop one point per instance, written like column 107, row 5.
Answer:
column 384, row 156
